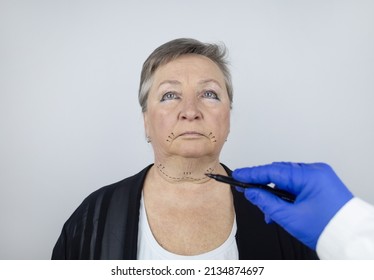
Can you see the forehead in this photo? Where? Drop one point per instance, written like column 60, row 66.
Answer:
column 190, row 65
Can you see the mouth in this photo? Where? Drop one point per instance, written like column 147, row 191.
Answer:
column 191, row 134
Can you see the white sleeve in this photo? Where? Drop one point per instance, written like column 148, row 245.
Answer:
column 349, row 234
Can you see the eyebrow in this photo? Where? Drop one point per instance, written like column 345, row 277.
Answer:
column 207, row 81
column 202, row 82
column 171, row 82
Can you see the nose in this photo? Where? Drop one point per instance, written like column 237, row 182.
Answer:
column 190, row 110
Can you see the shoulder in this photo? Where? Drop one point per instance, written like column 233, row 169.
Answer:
column 127, row 186
column 105, row 214
column 113, row 195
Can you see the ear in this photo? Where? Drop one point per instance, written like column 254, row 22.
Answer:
column 146, row 125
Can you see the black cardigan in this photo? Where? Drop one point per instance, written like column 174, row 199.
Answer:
column 105, row 226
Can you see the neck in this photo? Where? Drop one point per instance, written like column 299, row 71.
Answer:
column 180, row 170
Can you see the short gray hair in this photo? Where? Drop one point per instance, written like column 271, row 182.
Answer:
column 174, row 49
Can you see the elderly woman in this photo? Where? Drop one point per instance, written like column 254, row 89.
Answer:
column 171, row 210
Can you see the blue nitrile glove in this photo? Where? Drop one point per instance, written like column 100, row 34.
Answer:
column 319, row 196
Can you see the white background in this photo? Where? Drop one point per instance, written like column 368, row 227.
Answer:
column 70, row 120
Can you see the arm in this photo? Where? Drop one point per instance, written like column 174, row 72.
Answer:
column 350, row 233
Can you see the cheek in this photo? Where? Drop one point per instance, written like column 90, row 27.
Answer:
column 223, row 123
column 160, row 124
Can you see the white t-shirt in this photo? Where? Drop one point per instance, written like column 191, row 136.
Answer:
column 149, row 249
column 350, row 234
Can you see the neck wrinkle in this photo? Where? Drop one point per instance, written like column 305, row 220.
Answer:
column 187, row 171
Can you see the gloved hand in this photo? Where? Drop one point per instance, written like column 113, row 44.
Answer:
column 319, row 196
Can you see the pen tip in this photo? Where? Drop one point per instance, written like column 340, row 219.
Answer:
column 211, row 175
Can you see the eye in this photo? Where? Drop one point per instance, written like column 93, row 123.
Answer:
column 169, row 96
column 210, row 94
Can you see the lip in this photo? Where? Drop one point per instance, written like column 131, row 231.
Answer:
column 192, row 134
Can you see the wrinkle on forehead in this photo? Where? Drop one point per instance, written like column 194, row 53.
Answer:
column 201, row 82
column 184, row 66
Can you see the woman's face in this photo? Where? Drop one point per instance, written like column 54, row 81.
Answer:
column 188, row 109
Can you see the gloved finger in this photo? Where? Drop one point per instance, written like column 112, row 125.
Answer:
column 287, row 176
column 240, row 189
column 268, row 220
column 272, row 206
column 252, row 196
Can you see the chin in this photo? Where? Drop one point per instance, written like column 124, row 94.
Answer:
column 195, row 153
column 192, row 156
column 195, row 150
